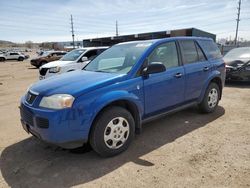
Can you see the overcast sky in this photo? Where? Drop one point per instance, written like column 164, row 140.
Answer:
column 49, row 20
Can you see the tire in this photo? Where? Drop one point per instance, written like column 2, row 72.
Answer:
column 211, row 99
column 112, row 132
column 20, row 59
column 2, row 59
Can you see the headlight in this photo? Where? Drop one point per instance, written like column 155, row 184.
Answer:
column 57, row 101
column 54, row 69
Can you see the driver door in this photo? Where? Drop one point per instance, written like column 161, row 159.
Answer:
column 163, row 91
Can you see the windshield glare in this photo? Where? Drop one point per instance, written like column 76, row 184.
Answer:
column 73, row 55
column 238, row 53
column 119, row 58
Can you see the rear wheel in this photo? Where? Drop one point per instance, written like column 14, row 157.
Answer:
column 112, row 132
column 20, row 59
column 211, row 98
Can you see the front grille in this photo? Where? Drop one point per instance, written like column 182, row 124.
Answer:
column 26, row 116
column 43, row 71
column 42, row 123
column 30, row 97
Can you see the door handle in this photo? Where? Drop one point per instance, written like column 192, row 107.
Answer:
column 205, row 68
column 178, row 75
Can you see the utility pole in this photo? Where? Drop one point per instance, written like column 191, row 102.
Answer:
column 116, row 28
column 72, row 30
column 238, row 21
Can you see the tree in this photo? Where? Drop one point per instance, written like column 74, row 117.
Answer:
column 28, row 44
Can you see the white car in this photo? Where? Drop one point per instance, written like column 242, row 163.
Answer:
column 74, row 60
column 12, row 56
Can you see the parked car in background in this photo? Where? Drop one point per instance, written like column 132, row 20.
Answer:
column 47, row 57
column 12, row 56
column 238, row 64
column 74, row 60
column 130, row 83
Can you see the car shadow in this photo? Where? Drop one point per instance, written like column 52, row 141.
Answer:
column 237, row 84
column 31, row 163
column 32, row 68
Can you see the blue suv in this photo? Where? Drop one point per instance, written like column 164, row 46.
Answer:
column 106, row 103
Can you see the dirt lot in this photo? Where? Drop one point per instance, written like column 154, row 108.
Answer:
column 186, row 149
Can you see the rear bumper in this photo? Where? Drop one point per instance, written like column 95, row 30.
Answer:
column 51, row 126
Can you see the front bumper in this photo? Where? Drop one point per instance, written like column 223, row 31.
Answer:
column 34, row 63
column 51, row 126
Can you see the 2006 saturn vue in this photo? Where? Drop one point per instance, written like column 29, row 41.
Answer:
column 106, row 103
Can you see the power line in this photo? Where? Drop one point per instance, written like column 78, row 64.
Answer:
column 72, row 30
column 237, row 25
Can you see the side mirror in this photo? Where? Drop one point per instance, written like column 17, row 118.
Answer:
column 84, row 58
column 154, row 67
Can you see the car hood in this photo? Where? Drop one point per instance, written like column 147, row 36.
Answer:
column 75, row 83
column 235, row 62
column 56, row 63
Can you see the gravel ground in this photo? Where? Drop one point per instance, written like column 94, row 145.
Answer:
column 185, row 149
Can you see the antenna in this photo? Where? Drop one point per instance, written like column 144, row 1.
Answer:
column 72, row 30
column 238, row 21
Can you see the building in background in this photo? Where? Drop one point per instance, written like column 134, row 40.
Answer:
column 109, row 41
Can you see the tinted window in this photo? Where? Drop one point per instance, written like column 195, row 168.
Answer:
column 189, row 52
column 91, row 54
column 166, row 54
column 13, row 53
column 200, row 53
column 100, row 51
column 210, row 48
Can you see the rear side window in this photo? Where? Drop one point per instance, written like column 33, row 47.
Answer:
column 210, row 48
column 201, row 56
column 189, row 52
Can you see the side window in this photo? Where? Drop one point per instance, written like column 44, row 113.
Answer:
column 166, row 54
column 201, row 56
column 210, row 48
column 91, row 54
column 59, row 54
column 189, row 52
column 100, row 51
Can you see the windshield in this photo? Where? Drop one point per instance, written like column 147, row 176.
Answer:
column 237, row 54
column 119, row 58
column 45, row 54
column 73, row 55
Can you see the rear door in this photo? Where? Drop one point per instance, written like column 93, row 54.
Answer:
column 164, row 90
column 196, row 67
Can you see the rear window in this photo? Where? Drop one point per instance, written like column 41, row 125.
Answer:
column 210, row 48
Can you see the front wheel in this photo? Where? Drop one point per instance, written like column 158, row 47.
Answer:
column 211, row 99
column 112, row 132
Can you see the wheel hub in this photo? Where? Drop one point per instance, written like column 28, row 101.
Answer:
column 116, row 133
column 212, row 98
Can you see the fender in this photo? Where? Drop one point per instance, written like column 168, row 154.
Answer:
column 113, row 96
column 214, row 74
